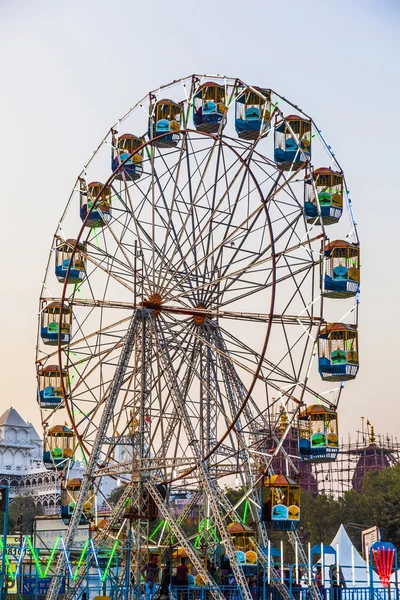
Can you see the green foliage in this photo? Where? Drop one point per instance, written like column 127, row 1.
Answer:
column 25, row 506
column 377, row 504
column 381, row 494
column 115, row 495
column 234, row 495
column 320, row 518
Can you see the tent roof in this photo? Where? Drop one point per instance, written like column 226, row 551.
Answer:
column 342, row 542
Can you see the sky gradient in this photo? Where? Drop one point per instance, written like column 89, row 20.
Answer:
column 69, row 69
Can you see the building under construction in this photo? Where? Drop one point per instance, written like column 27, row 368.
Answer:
column 368, row 452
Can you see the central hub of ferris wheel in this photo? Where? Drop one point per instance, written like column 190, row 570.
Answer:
column 211, row 218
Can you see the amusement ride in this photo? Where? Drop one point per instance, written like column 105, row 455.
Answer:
column 202, row 289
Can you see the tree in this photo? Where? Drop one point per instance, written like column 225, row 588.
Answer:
column 25, row 506
column 115, row 495
column 381, row 493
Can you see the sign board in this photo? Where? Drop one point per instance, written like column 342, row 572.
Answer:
column 46, row 531
column 37, row 585
column 369, row 537
column 13, row 550
column 13, row 547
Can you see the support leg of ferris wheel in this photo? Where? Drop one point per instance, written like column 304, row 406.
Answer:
column 262, row 557
column 208, row 428
column 141, row 444
column 180, row 535
column 114, row 389
column 204, row 479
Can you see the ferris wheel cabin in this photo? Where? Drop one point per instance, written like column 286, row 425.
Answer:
column 326, row 186
column 338, row 352
column 50, row 320
column 69, row 496
column 58, row 448
column 95, row 204
column 292, row 143
column 165, row 124
column 50, row 390
column 209, row 107
column 63, row 254
column 318, row 434
column 280, row 502
column 252, row 113
column 122, row 148
column 241, row 535
column 342, row 270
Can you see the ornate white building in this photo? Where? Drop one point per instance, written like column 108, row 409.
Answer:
column 21, row 466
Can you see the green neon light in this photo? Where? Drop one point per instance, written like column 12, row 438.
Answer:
column 246, row 507
column 212, row 529
column 81, row 558
column 197, row 541
column 35, row 558
column 95, row 237
column 156, row 529
column 109, row 560
column 51, row 556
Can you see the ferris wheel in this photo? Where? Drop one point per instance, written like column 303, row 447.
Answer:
column 193, row 296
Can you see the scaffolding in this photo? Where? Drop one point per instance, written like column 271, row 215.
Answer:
column 369, row 452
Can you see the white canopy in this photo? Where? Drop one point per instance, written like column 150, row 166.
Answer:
column 354, row 567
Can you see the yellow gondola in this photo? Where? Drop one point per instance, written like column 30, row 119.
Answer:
column 280, row 499
column 50, row 388
column 338, row 352
column 63, row 255
column 165, row 123
column 292, row 143
column 342, row 270
column 98, row 212
column 121, row 149
column 328, row 187
column 318, row 434
column 50, row 320
column 59, row 447
column 253, row 113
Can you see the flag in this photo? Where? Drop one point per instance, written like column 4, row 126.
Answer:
column 147, row 419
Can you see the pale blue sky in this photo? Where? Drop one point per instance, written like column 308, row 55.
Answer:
column 70, row 69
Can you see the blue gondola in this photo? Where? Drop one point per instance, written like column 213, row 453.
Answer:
column 342, row 270
column 327, row 186
column 338, row 352
column 165, row 123
column 69, row 496
column 59, row 448
column 292, row 143
column 50, row 390
column 121, row 149
column 252, row 113
column 49, row 323
column 92, row 196
column 280, row 503
column 318, row 434
column 63, row 254
column 209, row 107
